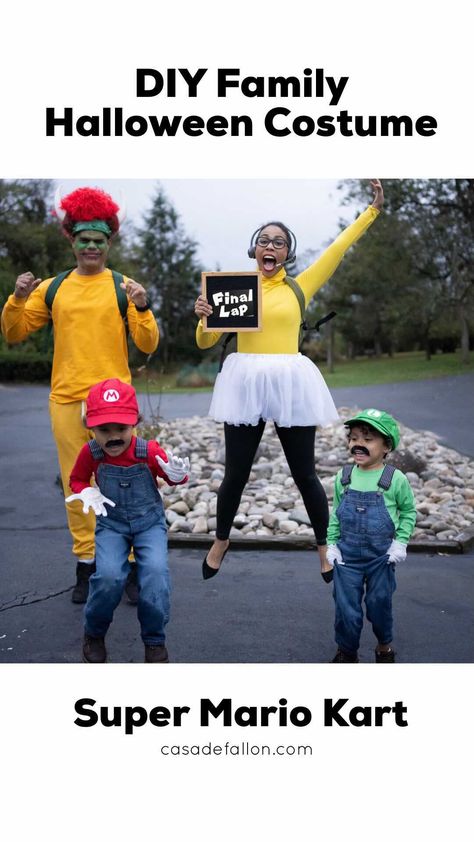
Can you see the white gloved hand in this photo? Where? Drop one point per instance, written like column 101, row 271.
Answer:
column 91, row 498
column 334, row 555
column 396, row 552
column 175, row 468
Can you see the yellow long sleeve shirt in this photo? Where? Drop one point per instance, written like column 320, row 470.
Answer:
column 281, row 316
column 90, row 341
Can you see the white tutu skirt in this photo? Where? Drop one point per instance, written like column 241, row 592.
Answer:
column 285, row 388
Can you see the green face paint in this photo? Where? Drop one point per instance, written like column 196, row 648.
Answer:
column 91, row 240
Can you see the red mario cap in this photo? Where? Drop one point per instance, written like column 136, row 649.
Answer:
column 111, row 402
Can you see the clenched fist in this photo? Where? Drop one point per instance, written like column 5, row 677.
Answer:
column 25, row 284
column 136, row 293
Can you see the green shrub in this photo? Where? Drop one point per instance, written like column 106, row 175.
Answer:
column 32, row 368
column 194, row 376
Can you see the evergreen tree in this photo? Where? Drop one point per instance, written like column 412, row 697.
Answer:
column 168, row 267
column 439, row 252
column 30, row 238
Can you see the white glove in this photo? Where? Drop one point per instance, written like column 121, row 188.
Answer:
column 334, row 555
column 396, row 552
column 91, row 498
column 175, row 468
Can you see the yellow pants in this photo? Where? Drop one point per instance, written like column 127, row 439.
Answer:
column 71, row 435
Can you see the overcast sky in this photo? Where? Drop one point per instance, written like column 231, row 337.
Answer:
column 221, row 214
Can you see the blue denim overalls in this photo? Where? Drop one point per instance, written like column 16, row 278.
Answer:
column 138, row 521
column 367, row 530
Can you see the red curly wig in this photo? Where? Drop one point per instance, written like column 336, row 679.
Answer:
column 86, row 204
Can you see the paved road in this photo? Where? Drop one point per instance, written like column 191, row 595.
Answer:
column 263, row 607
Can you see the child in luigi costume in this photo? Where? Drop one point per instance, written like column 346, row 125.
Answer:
column 372, row 519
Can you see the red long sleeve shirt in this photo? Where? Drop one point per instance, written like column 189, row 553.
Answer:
column 86, row 465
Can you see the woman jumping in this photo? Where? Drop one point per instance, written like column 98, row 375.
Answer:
column 269, row 380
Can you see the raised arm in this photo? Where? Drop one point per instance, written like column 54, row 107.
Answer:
column 25, row 310
column 316, row 275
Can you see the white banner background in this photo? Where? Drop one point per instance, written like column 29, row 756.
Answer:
column 75, row 783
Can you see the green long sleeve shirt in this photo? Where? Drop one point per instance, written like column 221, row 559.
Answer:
column 399, row 500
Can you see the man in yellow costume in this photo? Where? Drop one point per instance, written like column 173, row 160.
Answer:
column 92, row 309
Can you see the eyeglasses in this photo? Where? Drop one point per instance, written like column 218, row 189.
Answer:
column 278, row 242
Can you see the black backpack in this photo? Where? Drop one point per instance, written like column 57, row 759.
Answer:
column 228, row 348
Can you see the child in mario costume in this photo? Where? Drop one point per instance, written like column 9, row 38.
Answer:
column 372, row 519
column 129, row 513
column 92, row 309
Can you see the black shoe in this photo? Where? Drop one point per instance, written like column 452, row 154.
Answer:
column 209, row 572
column 80, row 591
column 328, row 575
column 342, row 657
column 131, row 585
column 385, row 657
column 93, row 650
column 156, row 655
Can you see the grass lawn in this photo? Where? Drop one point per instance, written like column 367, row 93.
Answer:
column 359, row 372
column 408, row 366
column 166, row 383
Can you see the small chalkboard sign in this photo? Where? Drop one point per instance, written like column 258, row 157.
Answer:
column 236, row 301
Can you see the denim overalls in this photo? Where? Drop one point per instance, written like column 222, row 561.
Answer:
column 138, row 521
column 367, row 531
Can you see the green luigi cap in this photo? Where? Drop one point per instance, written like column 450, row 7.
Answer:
column 381, row 421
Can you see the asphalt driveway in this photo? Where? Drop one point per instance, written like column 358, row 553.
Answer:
column 265, row 606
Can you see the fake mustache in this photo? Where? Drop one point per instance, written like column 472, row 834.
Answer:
column 115, row 443
column 359, row 449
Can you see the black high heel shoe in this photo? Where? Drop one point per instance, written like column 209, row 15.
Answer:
column 207, row 571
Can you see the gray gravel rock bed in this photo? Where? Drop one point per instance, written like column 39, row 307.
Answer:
column 442, row 481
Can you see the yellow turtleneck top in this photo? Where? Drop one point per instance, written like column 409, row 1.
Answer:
column 90, row 340
column 281, row 316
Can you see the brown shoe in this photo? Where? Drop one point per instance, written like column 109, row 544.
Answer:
column 385, row 657
column 93, row 650
column 156, row 655
column 342, row 657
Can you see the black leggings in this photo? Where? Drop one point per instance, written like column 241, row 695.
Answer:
column 241, row 443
